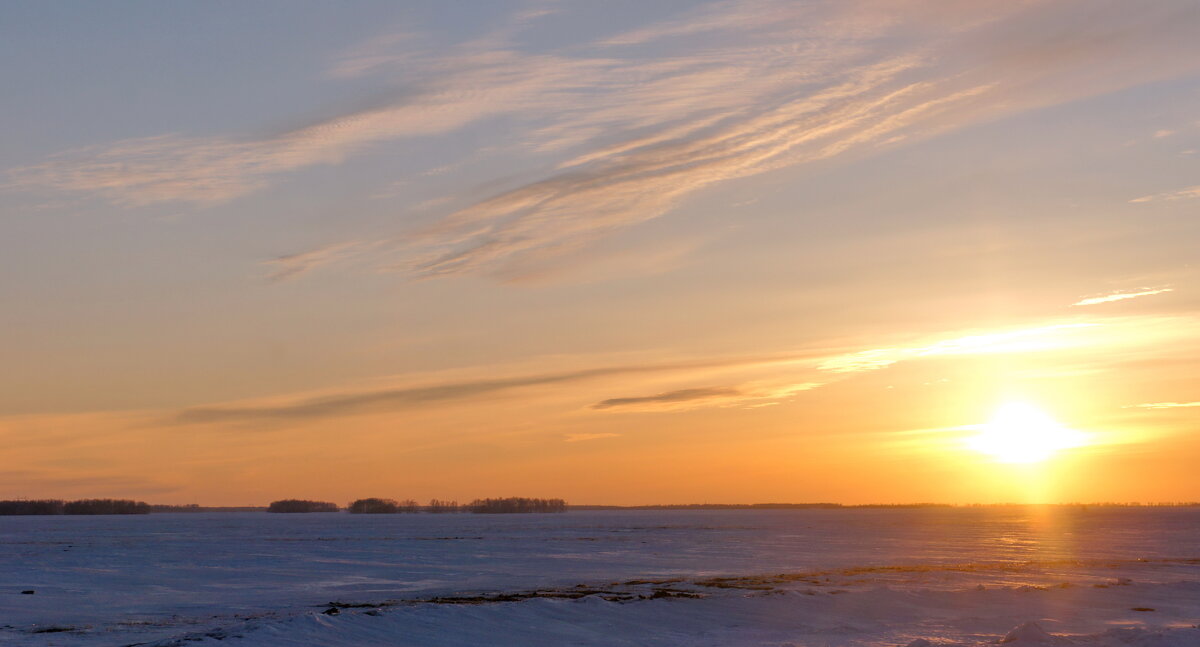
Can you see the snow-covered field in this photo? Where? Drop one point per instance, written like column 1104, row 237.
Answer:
column 1096, row 577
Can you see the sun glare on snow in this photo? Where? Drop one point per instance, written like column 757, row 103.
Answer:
column 1019, row 432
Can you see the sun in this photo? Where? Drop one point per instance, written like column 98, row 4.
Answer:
column 1019, row 432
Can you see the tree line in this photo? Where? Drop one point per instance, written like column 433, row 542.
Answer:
column 516, row 504
column 391, row 506
column 301, row 505
column 80, row 506
column 373, row 505
column 376, row 505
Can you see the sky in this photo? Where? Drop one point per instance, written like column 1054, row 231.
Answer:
column 618, row 253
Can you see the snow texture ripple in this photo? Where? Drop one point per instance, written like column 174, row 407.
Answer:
column 1103, row 577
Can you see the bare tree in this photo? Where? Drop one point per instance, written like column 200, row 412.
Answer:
column 437, row 506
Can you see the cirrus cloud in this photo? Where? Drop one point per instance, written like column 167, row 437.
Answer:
column 636, row 123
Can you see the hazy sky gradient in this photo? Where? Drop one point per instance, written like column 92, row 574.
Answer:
column 619, row 252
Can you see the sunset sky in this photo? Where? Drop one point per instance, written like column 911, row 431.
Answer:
column 615, row 252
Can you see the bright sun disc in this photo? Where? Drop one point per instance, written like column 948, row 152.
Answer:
column 1021, row 433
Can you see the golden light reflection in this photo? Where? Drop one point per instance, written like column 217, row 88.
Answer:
column 1019, row 432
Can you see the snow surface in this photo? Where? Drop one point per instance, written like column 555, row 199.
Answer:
column 1103, row 577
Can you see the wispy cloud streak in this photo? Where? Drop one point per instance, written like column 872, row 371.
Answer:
column 558, row 214
column 1181, row 194
column 293, row 265
column 1119, row 296
column 1039, row 338
column 400, row 398
column 670, row 397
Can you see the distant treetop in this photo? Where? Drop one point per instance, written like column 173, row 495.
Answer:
column 300, row 505
column 516, row 505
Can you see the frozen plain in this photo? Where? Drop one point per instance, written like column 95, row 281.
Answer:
column 871, row 577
